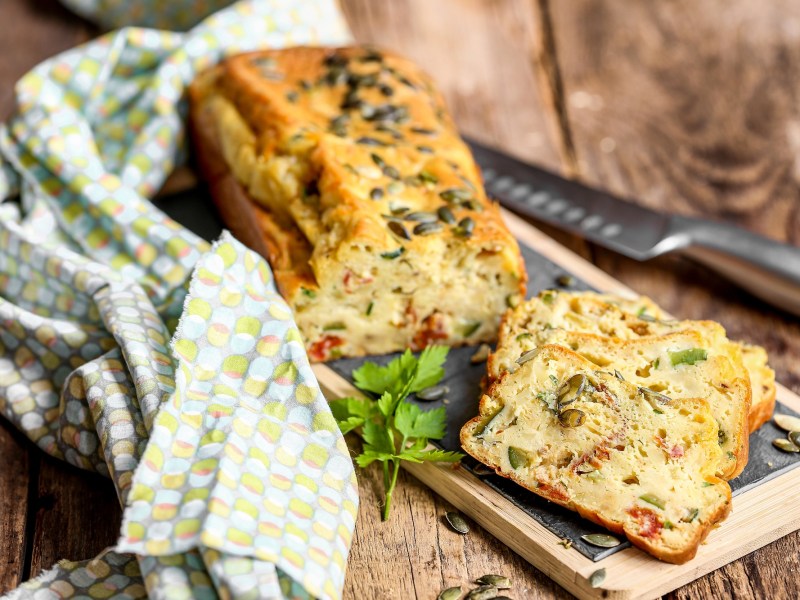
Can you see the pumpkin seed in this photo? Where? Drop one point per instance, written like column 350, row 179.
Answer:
column 452, row 194
column 421, row 216
column 512, row 301
column 399, row 230
column 435, row 392
column 427, row 229
column 376, row 158
column 376, row 193
column 524, row 336
column 423, row 131
column 787, row 422
column 391, row 255
column 386, row 90
column 503, row 597
column 292, row 96
column 516, row 457
column 501, row 582
column 446, row 215
column 603, row 540
column 369, row 308
column 572, row 417
column 597, row 578
column 395, row 187
column 466, row 226
column 565, row 394
column 370, row 141
column 565, row 280
column 618, row 375
column 481, row 354
column 425, row 149
column 482, row 430
column 794, row 437
column 457, row 522
column 484, row 592
column 428, row 177
column 785, row 445
column 526, row 357
column 481, row 470
column 452, row 593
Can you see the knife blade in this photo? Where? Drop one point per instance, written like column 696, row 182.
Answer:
column 766, row 268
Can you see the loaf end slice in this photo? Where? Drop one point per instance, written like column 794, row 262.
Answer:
column 638, row 463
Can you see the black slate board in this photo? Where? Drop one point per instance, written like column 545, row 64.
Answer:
column 195, row 210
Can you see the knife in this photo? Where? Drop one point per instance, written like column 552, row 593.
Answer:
column 765, row 268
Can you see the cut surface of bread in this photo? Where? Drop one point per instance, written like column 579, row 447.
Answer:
column 754, row 358
column 601, row 314
column 631, row 460
column 343, row 167
column 681, row 364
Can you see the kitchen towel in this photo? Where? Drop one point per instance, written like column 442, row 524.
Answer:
column 131, row 347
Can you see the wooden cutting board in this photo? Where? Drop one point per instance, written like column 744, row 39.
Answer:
column 762, row 512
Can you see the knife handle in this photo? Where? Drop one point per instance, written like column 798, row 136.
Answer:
column 767, row 269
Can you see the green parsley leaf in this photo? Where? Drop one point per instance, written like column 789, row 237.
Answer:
column 394, row 429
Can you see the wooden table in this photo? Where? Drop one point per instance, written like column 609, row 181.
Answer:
column 691, row 106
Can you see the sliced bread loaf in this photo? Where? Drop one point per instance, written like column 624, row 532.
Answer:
column 637, row 462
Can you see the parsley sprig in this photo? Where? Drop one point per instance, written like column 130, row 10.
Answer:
column 394, row 429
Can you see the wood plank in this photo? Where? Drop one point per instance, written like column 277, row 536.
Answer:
column 41, row 28
column 77, row 514
column 18, row 463
column 689, row 106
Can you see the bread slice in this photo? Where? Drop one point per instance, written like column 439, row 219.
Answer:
column 680, row 365
column 754, row 358
column 589, row 312
column 343, row 167
column 639, row 463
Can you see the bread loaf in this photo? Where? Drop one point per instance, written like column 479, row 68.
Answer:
column 343, row 167
column 634, row 461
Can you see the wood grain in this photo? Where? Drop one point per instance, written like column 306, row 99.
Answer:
column 33, row 30
column 15, row 478
column 76, row 514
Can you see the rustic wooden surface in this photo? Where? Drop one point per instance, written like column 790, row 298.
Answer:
column 685, row 106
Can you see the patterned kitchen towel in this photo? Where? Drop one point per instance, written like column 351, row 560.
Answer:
column 131, row 347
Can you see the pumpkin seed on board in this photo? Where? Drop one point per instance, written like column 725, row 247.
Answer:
column 451, row 593
column 597, row 578
column 787, row 422
column 501, row 582
column 457, row 522
column 484, row 592
column 785, row 445
column 481, row 470
column 435, row 392
column 794, row 437
column 603, row 540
